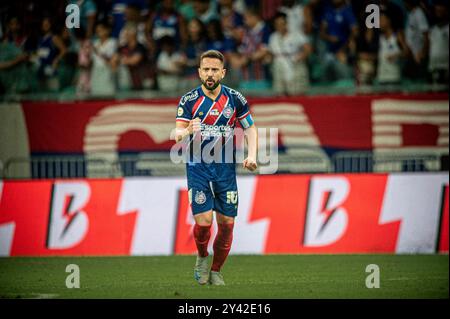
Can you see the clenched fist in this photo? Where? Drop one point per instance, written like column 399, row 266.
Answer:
column 250, row 164
column 194, row 125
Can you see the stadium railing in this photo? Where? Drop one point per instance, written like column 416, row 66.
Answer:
column 51, row 167
column 301, row 160
column 104, row 165
column 368, row 161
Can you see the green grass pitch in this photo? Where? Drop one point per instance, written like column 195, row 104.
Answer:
column 246, row 276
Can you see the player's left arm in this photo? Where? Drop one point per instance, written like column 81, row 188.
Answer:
column 251, row 135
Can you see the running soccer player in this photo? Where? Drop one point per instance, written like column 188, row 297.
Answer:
column 208, row 114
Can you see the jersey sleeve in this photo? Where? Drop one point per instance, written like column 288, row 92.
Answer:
column 184, row 113
column 243, row 111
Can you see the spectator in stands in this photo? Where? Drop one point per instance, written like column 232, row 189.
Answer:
column 133, row 17
column 216, row 40
column 232, row 21
column 103, row 64
column 50, row 52
column 290, row 51
column 367, row 50
column 339, row 30
column 416, row 35
column 118, row 15
column 167, row 21
column 84, row 62
column 252, row 57
column 195, row 46
column 392, row 49
column 439, row 37
column 67, row 69
column 395, row 14
column 317, row 9
column 169, row 65
column 299, row 17
column 366, row 45
column 132, row 56
column 15, row 50
column 205, row 10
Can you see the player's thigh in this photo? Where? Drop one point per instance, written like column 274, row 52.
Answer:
column 201, row 199
column 204, row 219
column 200, row 194
column 226, row 198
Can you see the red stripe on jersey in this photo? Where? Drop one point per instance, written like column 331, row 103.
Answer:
column 211, row 119
column 182, row 119
column 197, row 105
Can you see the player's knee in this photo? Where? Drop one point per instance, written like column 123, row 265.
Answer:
column 222, row 219
column 203, row 219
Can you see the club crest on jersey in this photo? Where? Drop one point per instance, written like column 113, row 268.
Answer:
column 227, row 112
column 200, row 197
column 214, row 112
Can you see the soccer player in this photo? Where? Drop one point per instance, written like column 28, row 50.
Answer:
column 207, row 115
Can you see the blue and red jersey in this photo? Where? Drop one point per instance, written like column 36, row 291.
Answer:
column 219, row 116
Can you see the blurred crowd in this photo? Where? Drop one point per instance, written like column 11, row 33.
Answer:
column 283, row 45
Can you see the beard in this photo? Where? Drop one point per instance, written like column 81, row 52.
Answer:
column 211, row 87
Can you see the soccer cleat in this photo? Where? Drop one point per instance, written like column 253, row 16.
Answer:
column 216, row 278
column 201, row 270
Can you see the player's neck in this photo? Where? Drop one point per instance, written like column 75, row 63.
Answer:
column 212, row 94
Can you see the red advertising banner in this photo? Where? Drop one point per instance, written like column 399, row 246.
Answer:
column 349, row 213
column 336, row 122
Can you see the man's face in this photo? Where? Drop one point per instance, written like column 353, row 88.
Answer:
column 384, row 22
column 46, row 25
column 441, row 12
column 14, row 25
column 280, row 25
column 101, row 32
column 211, row 72
column 250, row 20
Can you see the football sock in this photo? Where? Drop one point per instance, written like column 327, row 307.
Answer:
column 222, row 245
column 201, row 236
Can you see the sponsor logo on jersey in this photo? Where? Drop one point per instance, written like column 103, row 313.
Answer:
column 216, row 130
column 189, row 97
column 239, row 96
column 214, row 112
column 200, row 197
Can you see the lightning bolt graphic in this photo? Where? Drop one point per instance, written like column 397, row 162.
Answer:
column 325, row 211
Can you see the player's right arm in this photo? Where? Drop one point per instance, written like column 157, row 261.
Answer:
column 185, row 124
column 183, row 129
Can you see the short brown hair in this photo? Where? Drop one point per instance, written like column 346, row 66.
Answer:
column 213, row 54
